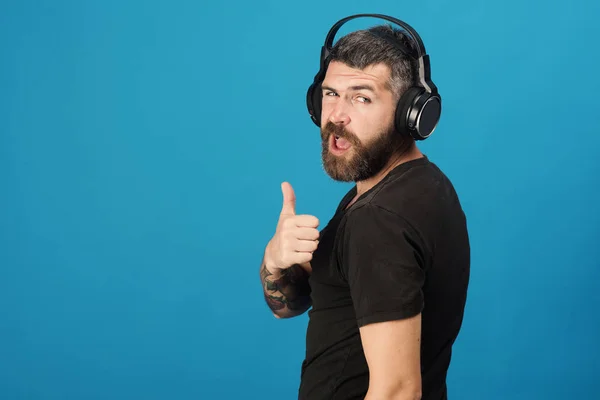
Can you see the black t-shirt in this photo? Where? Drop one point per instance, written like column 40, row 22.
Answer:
column 401, row 249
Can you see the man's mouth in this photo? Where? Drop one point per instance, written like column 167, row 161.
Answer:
column 338, row 145
column 342, row 143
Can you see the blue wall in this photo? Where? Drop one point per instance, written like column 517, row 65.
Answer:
column 141, row 151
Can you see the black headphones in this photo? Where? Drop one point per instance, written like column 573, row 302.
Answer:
column 418, row 110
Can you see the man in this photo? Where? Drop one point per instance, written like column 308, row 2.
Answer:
column 387, row 277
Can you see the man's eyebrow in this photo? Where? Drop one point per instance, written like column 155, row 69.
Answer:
column 362, row 87
column 353, row 88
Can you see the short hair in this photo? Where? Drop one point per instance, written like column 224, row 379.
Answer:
column 380, row 44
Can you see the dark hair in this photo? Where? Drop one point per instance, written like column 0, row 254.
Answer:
column 380, row 44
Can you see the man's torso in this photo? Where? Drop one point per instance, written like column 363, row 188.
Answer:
column 335, row 366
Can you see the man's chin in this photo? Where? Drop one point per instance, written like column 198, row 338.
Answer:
column 340, row 173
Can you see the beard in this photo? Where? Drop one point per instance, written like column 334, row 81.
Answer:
column 363, row 160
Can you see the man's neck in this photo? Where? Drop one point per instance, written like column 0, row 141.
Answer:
column 362, row 187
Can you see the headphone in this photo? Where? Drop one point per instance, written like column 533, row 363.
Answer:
column 418, row 110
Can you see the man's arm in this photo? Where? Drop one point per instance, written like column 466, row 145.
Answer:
column 287, row 291
column 286, row 266
column 393, row 351
column 385, row 263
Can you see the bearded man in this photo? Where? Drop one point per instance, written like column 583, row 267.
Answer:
column 387, row 276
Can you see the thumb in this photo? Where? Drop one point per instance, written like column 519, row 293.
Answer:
column 289, row 199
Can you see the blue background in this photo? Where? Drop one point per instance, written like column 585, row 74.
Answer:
column 142, row 147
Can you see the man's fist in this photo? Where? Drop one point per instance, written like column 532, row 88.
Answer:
column 296, row 236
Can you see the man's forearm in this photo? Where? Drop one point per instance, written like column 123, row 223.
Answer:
column 287, row 294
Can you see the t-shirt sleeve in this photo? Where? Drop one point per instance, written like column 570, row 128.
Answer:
column 382, row 261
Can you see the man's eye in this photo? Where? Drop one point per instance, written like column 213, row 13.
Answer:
column 363, row 99
column 330, row 93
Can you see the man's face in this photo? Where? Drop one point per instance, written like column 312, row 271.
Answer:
column 357, row 128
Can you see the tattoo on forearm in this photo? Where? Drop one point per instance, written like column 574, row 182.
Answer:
column 291, row 290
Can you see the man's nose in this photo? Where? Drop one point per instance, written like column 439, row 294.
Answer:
column 339, row 114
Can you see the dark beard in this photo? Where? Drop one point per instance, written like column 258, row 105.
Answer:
column 366, row 160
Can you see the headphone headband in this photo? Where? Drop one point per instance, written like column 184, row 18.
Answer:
column 332, row 32
column 422, row 57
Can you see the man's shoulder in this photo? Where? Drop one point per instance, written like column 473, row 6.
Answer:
column 416, row 185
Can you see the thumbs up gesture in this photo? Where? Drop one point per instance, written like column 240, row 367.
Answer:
column 296, row 236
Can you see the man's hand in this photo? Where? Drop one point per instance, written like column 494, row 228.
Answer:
column 296, row 236
column 285, row 269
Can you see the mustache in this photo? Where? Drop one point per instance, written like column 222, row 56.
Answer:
column 338, row 130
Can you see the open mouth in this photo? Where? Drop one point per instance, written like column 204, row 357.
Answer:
column 339, row 145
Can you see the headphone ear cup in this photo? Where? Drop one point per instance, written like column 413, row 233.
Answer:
column 418, row 113
column 313, row 103
column 316, row 99
column 314, row 95
column 404, row 110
